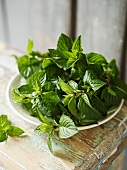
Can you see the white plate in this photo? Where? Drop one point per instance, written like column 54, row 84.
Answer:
column 17, row 81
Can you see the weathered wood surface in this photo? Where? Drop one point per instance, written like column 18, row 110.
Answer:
column 87, row 150
column 102, row 26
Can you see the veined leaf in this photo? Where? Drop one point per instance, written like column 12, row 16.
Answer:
column 30, row 46
column 86, row 110
column 37, row 80
column 65, row 87
column 64, row 43
column 47, row 62
column 94, row 58
column 18, row 97
column 73, row 84
column 51, row 97
column 3, row 119
column 15, row 131
column 77, row 47
column 67, row 127
column 72, row 106
column 26, row 89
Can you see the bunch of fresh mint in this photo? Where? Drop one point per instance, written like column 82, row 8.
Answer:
column 66, row 88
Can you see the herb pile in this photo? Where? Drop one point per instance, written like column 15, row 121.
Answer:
column 66, row 88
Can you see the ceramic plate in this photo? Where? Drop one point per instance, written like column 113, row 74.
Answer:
column 17, row 81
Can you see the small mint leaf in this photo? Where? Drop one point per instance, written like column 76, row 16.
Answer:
column 49, row 140
column 65, row 87
column 3, row 137
column 15, row 131
column 30, row 46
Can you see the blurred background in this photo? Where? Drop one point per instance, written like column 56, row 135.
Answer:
column 101, row 23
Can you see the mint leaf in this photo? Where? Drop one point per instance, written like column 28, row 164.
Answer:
column 86, row 110
column 64, row 43
column 49, row 140
column 3, row 137
column 44, row 127
column 72, row 106
column 73, row 84
column 3, row 120
column 90, row 79
column 67, row 98
column 15, row 131
column 18, row 97
column 37, row 80
column 76, row 47
column 67, row 127
column 65, row 87
column 111, row 91
column 30, row 46
column 47, row 62
column 51, row 97
column 94, row 58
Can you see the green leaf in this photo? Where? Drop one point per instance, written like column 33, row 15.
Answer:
column 86, row 122
column 49, row 140
column 59, row 57
column 30, row 46
column 98, row 105
column 111, row 91
column 90, row 79
column 3, row 119
column 65, row 87
column 67, row 127
column 86, row 110
column 64, row 43
column 15, row 131
column 18, row 97
column 73, row 84
column 28, row 66
column 51, row 97
column 72, row 106
column 94, row 58
column 37, row 80
column 44, row 127
column 46, row 63
column 67, row 98
column 26, row 89
column 76, row 47
column 3, row 137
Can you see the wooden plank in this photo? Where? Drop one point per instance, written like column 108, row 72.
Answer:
column 101, row 24
column 40, row 20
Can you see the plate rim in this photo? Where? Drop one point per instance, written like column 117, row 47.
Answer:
column 36, row 122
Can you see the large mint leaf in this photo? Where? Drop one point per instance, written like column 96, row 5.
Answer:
column 30, row 46
column 15, row 131
column 64, row 43
column 94, row 58
column 65, row 87
column 90, row 79
column 72, row 106
column 26, row 89
column 51, row 97
column 60, row 57
column 77, row 47
column 27, row 66
column 67, row 127
column 86, row 110
column 37, row 80
column 98, row 105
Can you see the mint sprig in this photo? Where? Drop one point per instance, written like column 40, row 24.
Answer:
column 66, row 88
column 7, row 129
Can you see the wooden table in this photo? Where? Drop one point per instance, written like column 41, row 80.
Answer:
column 89, row 149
